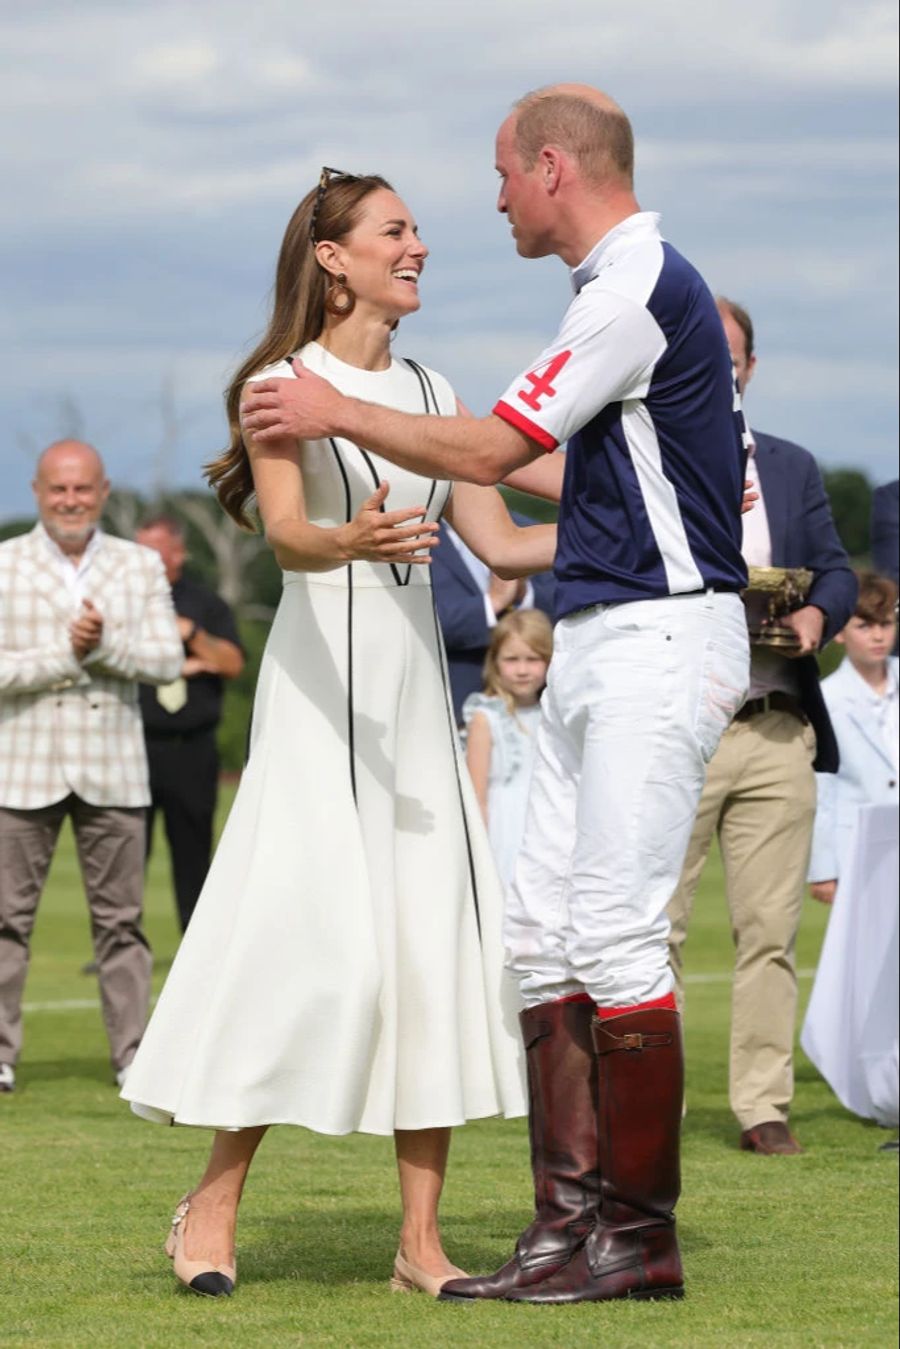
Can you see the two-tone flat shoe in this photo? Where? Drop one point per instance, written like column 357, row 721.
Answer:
column 408, row 1278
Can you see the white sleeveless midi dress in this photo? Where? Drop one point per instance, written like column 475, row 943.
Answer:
column 343, row 969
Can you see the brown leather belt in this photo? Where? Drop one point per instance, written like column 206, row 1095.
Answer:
column 772, row 702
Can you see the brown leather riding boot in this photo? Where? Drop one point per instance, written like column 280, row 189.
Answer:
column 632, row 1250
column 562, row 1124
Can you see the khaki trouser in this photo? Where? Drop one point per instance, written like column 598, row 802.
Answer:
column 110, row 842
column 760, row 797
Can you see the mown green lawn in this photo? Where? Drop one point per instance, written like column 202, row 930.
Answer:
column 778, row 1251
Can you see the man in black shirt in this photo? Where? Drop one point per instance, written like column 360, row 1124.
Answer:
column 180, row 718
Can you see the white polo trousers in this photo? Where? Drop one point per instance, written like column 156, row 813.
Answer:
column 637, row 697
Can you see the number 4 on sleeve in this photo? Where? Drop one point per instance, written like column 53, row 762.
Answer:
column 541, row 381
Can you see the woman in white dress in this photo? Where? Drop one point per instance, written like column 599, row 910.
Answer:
column 343, row 969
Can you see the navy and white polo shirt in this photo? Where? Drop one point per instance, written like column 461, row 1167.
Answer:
column 639, row 381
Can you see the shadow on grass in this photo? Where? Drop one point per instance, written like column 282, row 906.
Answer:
column 691, row 1239
column 357, row 1245
column 350, row 1245
column 713, row 1122
column 805, row 1072
column 63, row 1070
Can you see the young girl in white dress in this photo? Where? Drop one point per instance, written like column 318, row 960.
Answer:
column 343, row 969
column 502, row 724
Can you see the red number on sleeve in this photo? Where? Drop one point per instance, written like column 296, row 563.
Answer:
column 541, row 381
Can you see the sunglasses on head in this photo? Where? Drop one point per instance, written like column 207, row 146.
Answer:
column 325, row 178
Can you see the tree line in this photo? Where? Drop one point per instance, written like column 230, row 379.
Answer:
column 241, row 568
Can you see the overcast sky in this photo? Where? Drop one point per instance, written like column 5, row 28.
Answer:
column 153, row 152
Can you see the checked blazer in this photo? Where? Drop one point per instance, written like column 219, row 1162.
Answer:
column 69, row 726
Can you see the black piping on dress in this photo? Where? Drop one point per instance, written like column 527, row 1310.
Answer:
column 348, row 508
column 430, row 404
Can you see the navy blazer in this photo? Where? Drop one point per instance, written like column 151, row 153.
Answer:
column 460, row 607
column 886, row 530
column 803, row 535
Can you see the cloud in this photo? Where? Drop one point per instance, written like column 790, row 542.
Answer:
column 153, row 155
column 812, row 379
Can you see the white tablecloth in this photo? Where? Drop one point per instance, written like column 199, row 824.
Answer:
column 851, row 1026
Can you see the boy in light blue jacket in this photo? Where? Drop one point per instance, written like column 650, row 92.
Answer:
column 862, row 701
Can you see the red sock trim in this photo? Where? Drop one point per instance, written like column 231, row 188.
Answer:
column 572, row 997
column 668, row 1002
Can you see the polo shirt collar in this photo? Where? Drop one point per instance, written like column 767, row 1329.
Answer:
column 633, row 229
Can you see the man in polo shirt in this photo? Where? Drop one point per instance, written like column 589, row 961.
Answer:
column 181, row 718
column 650, row 664
column 760, row 793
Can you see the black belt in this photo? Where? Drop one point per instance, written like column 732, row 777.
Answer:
column 772, row 702
column 704, row 590
column 651, row 599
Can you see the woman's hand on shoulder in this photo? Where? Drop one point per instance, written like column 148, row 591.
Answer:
column 377, row 535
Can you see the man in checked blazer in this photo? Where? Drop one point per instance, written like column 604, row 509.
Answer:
column 83, row 617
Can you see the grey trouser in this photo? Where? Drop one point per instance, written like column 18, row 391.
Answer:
column 110, row 842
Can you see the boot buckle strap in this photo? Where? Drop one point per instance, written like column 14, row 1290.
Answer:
column 633, row 1041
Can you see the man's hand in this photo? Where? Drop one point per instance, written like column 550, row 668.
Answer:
column 823, row 891
column 87, row 630
column 750, row 497
column 193, row 666
column 186, row 627
column 809, row 624
column 305, row 408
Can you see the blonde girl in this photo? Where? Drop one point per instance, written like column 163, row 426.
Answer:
column 501, row 727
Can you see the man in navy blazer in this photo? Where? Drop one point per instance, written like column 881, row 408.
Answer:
column 885, row 530
column 468, row 597
column 885, row 534
column 760, row 793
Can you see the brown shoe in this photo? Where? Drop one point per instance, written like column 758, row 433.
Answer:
column 771, row 1139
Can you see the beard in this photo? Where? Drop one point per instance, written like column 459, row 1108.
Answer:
column 70, row 531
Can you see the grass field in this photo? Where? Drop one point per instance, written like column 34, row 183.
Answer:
column 778, row 1251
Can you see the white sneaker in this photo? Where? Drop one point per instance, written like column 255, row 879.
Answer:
column 7, row 1078
column 121, row 1075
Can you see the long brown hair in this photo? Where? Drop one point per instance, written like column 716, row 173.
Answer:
column 298, row 316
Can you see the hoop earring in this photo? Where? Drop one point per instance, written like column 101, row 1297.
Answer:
column 339, row 298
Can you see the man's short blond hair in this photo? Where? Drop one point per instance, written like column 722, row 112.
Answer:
column 598, row 137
